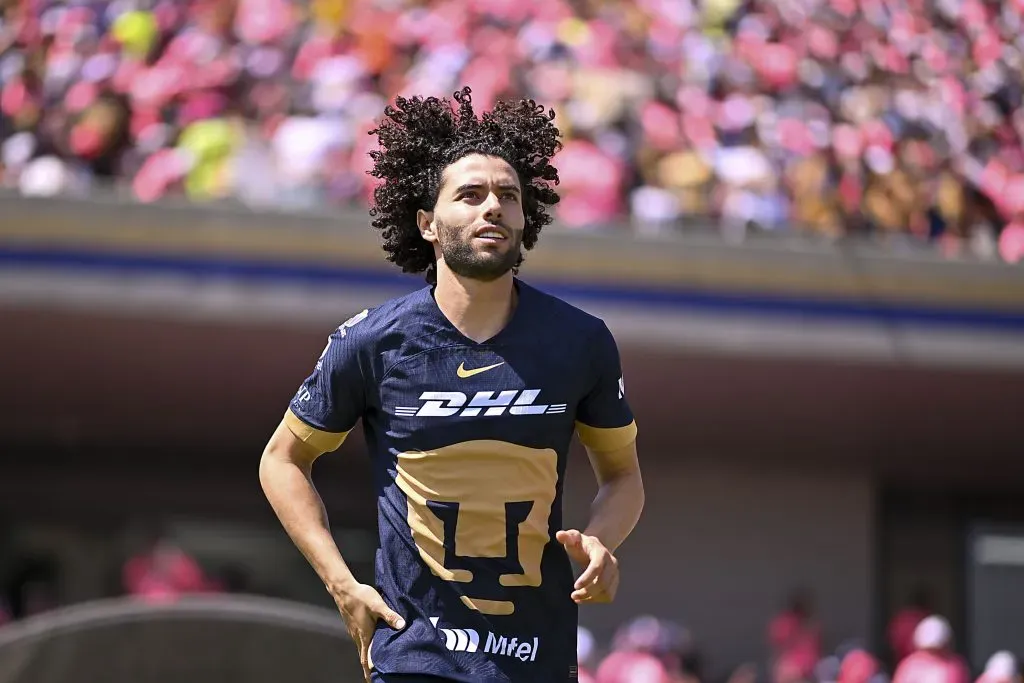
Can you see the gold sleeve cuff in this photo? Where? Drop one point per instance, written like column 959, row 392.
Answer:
column 606, row 438
column 324, row 441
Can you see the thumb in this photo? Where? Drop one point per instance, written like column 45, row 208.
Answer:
column 572, row 540
column 390, row 616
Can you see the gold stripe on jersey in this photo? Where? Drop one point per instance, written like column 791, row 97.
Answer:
column 499, row 608
column 487, row 480
column 319, row 439
column 606, row 438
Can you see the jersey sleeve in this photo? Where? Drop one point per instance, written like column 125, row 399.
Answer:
column 604, row 420
column 333, row 398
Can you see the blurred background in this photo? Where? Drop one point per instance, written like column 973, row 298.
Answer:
column 800, row 218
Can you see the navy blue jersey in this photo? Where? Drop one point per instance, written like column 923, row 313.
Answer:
column 469, row 442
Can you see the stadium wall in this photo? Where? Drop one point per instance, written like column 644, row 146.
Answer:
column 615, row 262
column 772, row 294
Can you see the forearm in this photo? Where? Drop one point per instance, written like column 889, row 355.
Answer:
column 616, row 508
column 298, row 506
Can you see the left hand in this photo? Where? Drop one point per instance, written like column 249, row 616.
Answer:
column 600, row 579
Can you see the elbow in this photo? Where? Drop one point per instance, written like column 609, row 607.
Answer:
column 637, row 493
column 269, row 465
column 279, row 461
column 264, row 470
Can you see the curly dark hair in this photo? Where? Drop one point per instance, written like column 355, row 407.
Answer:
column 420, row 137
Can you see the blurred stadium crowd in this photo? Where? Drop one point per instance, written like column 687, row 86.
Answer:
column 651, row 650
column 895, row 119
column 920, row 645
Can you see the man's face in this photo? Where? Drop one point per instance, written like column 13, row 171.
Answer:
column 476, row 226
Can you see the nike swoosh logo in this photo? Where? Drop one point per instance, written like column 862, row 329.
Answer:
column 464, row 373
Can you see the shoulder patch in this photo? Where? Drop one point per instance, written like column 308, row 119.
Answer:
column 354, row 320
column 342, row 331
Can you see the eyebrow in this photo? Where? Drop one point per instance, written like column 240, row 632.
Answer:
column 476, row 186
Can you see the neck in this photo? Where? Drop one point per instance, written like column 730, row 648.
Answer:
column 479, row 310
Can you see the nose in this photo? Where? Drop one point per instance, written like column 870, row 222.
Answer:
column 492, row 207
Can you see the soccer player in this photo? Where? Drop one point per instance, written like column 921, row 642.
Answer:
column 470, row 391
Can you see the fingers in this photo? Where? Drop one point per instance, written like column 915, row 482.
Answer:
column 600, row 579
column 592, row 572
column 364, row 657
column 596, row 592
column 363, row 609
column 599, row 585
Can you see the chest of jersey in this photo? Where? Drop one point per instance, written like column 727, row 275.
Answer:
column 479, row 437
column 516, row 394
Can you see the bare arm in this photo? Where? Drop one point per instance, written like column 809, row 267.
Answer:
column 286, row 476
column 620, row 497
column 613, row 515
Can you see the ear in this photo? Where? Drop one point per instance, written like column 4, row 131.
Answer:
column 425, row 222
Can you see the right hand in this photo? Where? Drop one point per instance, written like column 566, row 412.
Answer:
column 361, row 608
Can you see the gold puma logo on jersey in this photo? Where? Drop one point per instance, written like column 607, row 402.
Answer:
column 464, row 373
column 479, row 515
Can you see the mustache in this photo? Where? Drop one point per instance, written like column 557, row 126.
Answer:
column 457, row 229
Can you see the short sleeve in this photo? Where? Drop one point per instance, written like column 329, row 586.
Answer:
column 332, row 399
column 604, row 420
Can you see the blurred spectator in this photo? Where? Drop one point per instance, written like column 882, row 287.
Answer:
column 933, row 660
column 858, row 666
column 585, row 654
column 650, row 647
column 1001, row 667
column 795, row 640
column 904, row 622
column 632, row 667
column 162, row 572
column 898, row 119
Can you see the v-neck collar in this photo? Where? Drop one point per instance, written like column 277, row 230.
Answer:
column 521, row 292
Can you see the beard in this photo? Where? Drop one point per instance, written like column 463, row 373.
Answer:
column 486, row 266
